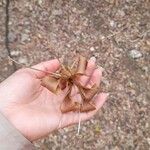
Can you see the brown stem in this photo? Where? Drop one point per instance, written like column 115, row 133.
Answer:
column 51, row 73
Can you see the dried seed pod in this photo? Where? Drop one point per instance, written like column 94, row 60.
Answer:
column 65, row 72
column 68, row 77
column 81, row 65
column 62, row 84
column 87, row 107
column 89, row 93
column 69, row 105
column 50, row 83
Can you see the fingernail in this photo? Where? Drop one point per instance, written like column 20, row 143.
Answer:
column 90, row 84
column 93, row 59
column 101, row 68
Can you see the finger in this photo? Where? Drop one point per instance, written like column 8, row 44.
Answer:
column 74, row 90
column 89, row 71
column 45, row 67
column 95, row 78
column 73, row 117
column 83, row 80
column 99, row 101
column 90, row 66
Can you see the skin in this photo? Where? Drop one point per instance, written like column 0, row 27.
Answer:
column 34, row 110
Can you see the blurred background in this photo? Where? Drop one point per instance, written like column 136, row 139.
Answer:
column 117, row 34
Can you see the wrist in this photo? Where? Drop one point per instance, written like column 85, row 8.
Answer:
column 10, row 137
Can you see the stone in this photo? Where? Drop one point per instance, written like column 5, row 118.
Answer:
column 102, row 37
column 3, row 53
column 148, row 140
column 23, row 60
column 121, row 13
column 10, row 23
column 135, row 54
column 112, row 23
column 27, row 23
column 15, row 53
column 40, row 2
column 12, row 37
column 92, row 49
column 68, row 45
column 25, row 37
column 57, row 12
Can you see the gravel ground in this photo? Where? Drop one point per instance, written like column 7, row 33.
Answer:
column 117, row 34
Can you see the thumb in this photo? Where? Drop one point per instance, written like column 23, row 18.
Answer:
column 44, row 68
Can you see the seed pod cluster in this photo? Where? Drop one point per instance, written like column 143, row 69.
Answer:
column 69, row 77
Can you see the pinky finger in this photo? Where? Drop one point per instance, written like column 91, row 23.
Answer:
column 99, row 102
column 73, row 117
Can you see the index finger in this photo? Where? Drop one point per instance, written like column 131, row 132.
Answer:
column 46, row 67
column 84, row 79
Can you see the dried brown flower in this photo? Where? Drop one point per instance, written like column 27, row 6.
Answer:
column 68, row 77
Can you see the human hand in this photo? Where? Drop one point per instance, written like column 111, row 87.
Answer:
column 33, row 109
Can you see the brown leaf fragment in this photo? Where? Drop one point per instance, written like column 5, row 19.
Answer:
column 77, row 106
column 87, row 107
column 88, row 93
column 65, row 72
column 62, row 84
column 50, row 83
column 81, row 65
column 68, row 77
column 69, row 105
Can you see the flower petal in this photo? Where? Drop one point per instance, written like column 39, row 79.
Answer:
column 81, row 65
column 65, row 72
column 89, row 93
column 50, row 83
column 87, row 107
column 63, row 84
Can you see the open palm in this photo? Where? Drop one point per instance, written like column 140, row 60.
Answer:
column 34, row 110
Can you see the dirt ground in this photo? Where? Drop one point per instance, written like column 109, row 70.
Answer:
column 117, row 34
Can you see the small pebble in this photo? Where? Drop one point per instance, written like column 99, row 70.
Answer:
column 112, row 23
column 40, row 2
column 92, row 49
column 10, row 23
column 135, row 54
column 121, row 13
column 23, row 60
column 27, row 23
column 25, row 37
column 148, row 140
column 12, row 37
column 57, row 12
column 15, row 53
column 68, row 45
column 102, row 37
